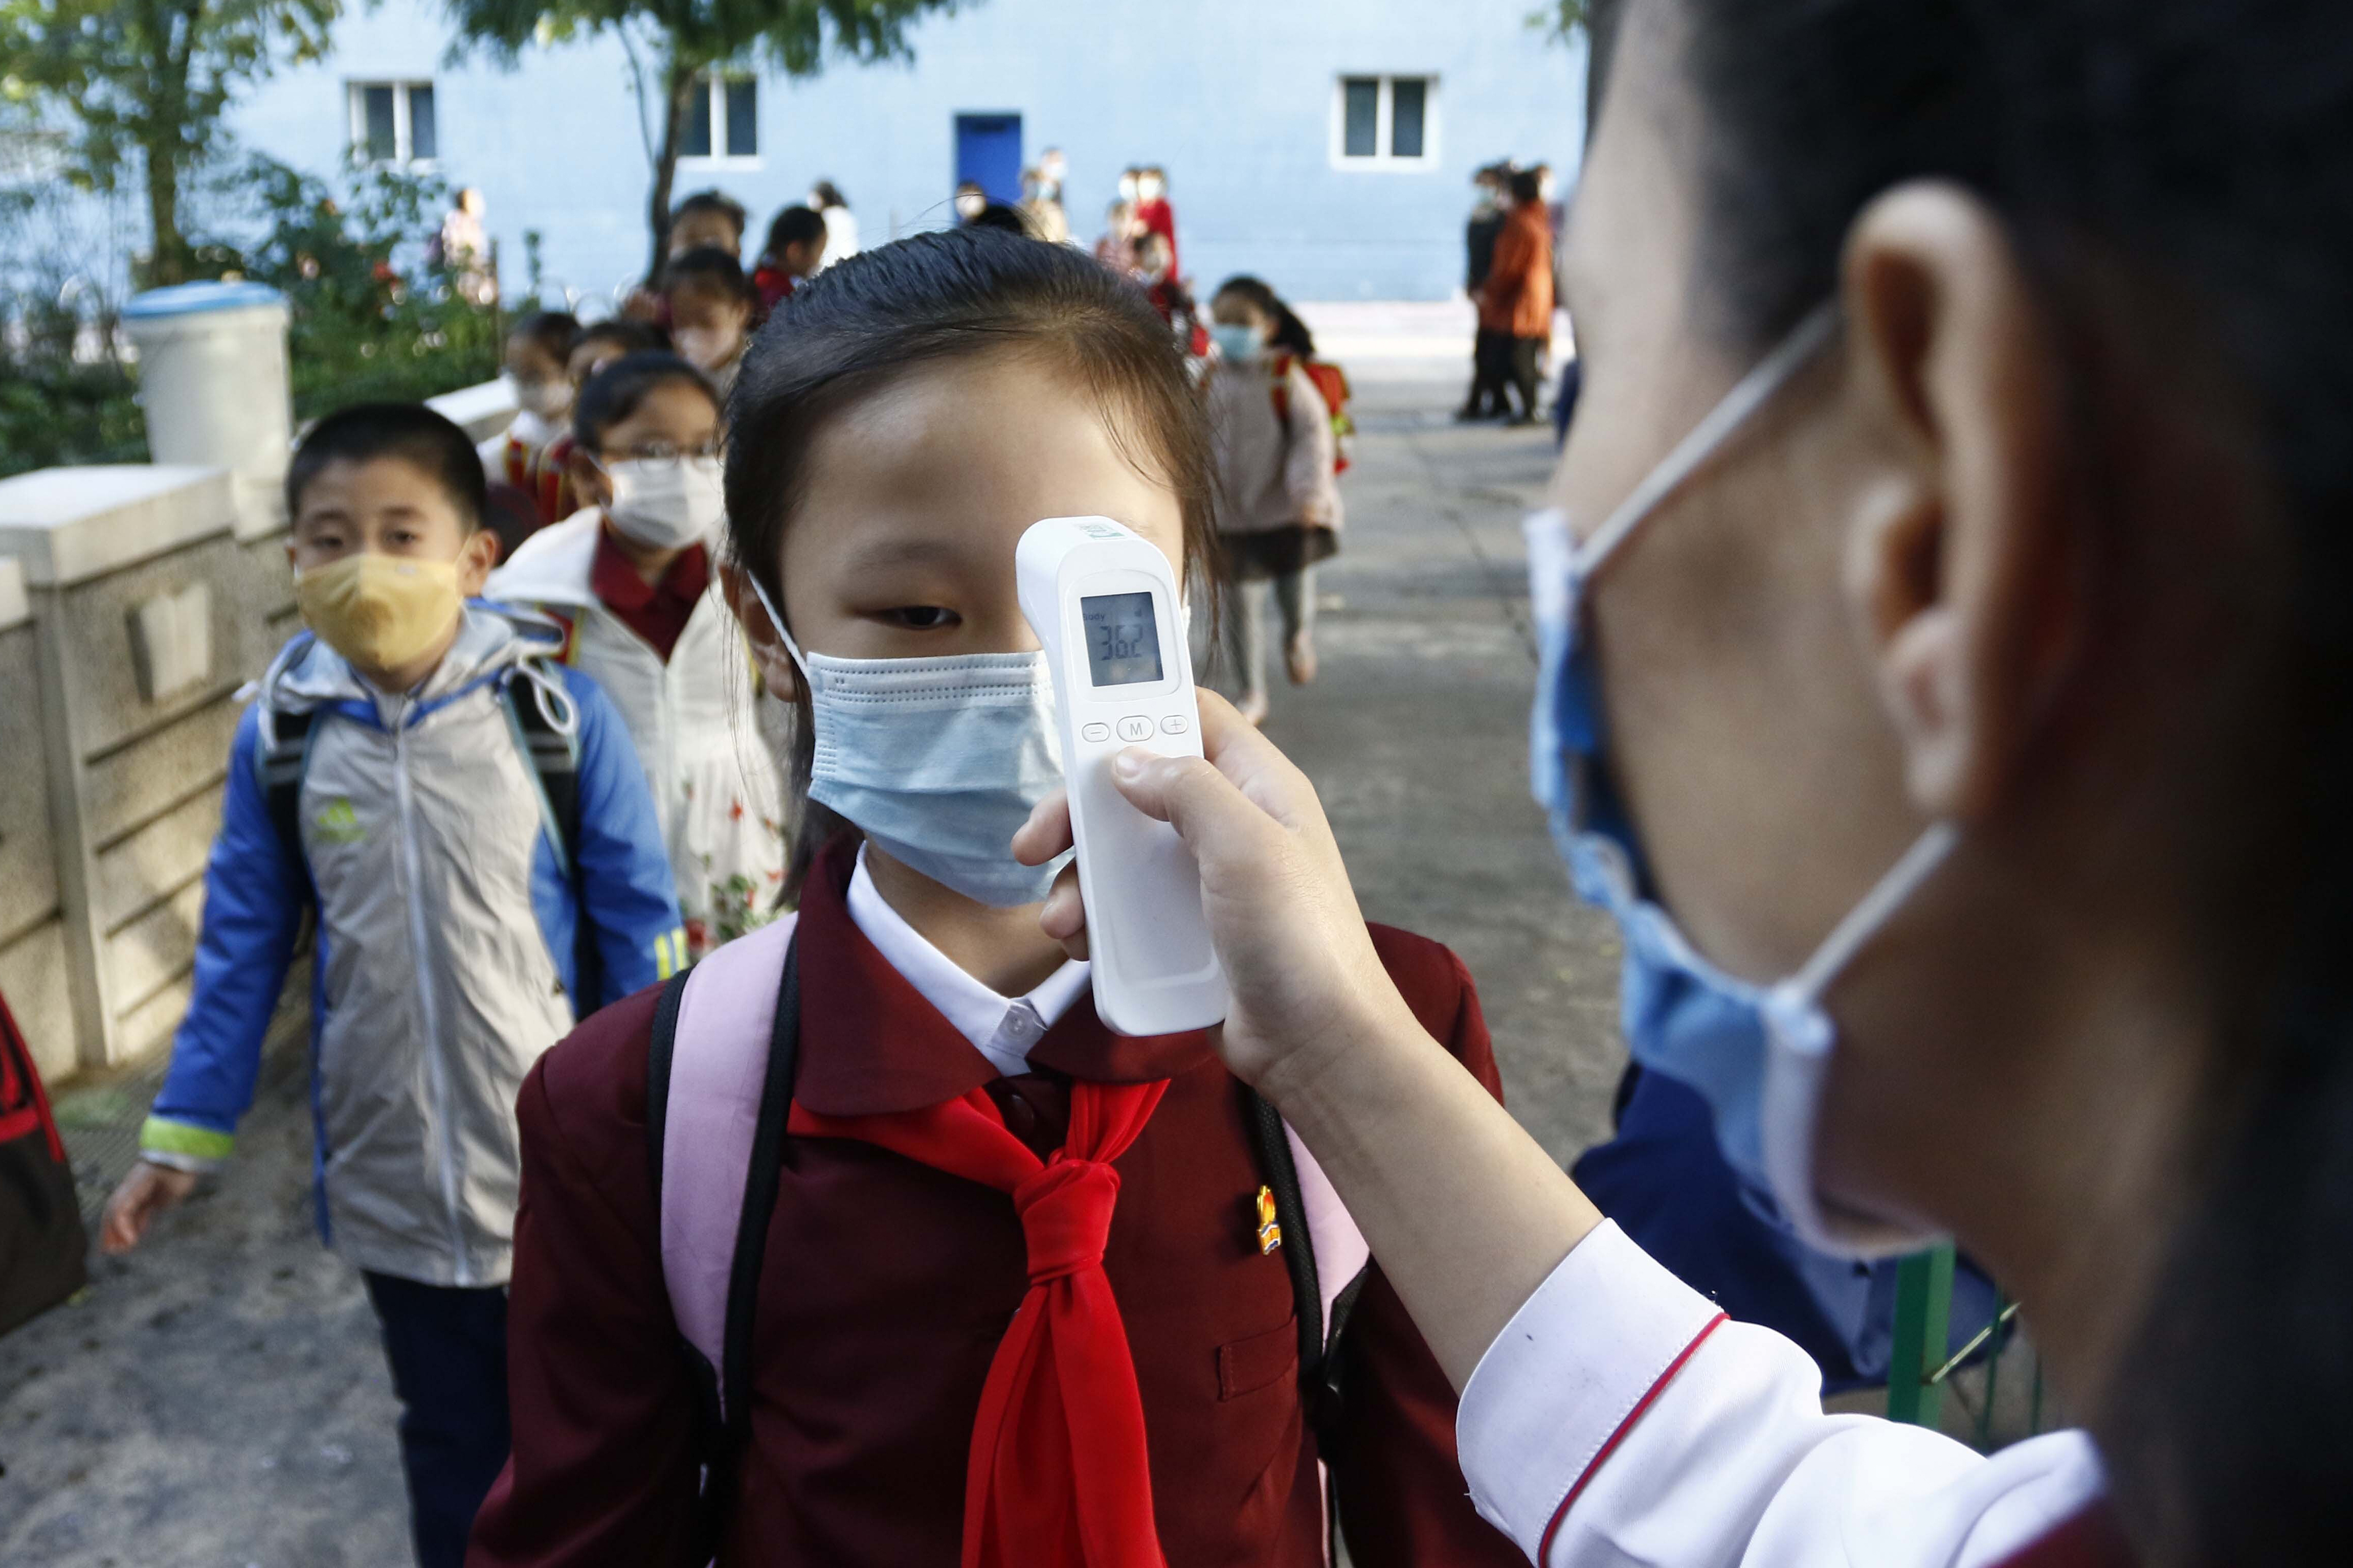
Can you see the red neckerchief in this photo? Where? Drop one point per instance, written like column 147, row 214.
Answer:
column 1058, row 1476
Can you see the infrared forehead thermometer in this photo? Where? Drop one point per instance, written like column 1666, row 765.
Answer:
column 1104, row 603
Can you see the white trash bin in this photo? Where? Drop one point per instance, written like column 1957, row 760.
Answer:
column 213, row 386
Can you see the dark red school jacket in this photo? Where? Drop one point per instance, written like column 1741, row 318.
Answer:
column 889, row 1284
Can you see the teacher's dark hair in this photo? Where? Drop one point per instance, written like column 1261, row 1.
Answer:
column 870, row 321
column 2175, row 178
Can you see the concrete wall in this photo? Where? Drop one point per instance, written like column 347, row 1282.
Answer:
column 146, row 605
column 1235, row 98
column 32, row 926
column 111, row 580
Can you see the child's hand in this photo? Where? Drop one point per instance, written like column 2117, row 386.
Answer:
column 1302, row 969
column 145, row 1193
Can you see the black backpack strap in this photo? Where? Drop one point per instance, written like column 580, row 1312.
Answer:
column 1320, row 1393
column 760, row 1183
column 726, row 1392
column 1298, row 1248
column 661, row 1051
column 280, row 766
column 554, row 753
column 1319, row 1340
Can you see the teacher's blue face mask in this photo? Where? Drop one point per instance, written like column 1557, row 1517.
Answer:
column 1757, row 1054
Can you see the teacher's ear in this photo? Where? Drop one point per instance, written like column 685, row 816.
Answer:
column 1961, row 571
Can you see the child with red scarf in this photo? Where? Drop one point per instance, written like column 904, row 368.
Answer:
column 1015, row 1296
column 796, row 249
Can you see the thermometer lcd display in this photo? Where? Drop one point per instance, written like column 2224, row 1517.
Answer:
column 1123, row 638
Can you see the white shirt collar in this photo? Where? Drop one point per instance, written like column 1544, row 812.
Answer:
column 999, row 1028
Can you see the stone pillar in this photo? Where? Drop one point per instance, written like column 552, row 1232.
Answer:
column 215, row 387
column 33, row 970
column 141, row 637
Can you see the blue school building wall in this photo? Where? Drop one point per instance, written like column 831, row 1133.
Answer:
column 1248, row 106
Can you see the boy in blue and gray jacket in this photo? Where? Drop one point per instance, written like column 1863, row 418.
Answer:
column 470, row 824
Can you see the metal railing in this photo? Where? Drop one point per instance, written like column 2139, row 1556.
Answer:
column 1920, row 1371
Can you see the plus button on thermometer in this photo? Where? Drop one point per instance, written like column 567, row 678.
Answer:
column 1104, row 603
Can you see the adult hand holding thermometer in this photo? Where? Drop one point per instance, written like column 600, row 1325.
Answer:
column 1105, row 606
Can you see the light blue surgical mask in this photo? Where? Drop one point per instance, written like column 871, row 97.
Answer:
column 1757, row 1054
column 937, row 761
column 1239, row 344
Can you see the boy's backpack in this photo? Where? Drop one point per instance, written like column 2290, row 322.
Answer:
column 43, row 1250
column 715, row 1118
column 1333, row 383
column 550, row 743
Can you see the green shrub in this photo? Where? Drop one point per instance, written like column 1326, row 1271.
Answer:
column 372, row 318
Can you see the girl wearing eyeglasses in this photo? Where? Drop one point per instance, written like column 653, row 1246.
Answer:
column 630, row 577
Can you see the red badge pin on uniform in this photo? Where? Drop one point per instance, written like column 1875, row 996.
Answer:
column 1270, row 1234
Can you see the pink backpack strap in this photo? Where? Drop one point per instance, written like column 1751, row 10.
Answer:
column 1341, row 1250
column 719, row 1056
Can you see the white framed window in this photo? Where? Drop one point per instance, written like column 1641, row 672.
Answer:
column 1384, row 123
column 392, row 123
column 723, row 123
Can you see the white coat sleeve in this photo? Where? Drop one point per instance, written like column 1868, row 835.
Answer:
column 1620, row 1418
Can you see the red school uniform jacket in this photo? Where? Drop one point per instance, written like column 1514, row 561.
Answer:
column 888, row 1285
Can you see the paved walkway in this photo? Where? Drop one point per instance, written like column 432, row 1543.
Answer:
column 220, row 1398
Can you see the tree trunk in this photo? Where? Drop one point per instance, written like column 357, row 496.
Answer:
column 677, row 87
column 163, row 106
column 1601, row 37
column 168, row 262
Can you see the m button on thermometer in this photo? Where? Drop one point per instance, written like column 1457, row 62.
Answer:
column 1104, row 601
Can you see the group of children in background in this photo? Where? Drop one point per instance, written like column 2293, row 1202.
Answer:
column 573, row 711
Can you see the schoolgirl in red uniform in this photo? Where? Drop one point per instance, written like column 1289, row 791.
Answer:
column 1021, row 1291
column 796, row 249
column 536, row 355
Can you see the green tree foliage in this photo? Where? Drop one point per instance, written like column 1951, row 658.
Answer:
column 1558, row 19
column 370, row 317
column 65, row 397
column 145, row 82
column 688, row 38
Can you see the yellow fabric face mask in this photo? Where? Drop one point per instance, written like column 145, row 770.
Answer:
column 379, row 611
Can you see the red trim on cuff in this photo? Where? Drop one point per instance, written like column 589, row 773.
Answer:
column 1543, row 1547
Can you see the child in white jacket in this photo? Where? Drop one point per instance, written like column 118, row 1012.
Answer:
column 630, row 576
column 1278, row 505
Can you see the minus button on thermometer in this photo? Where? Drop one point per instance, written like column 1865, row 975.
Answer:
column 1105, row 605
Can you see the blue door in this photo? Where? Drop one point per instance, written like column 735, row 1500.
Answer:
column 988, row 153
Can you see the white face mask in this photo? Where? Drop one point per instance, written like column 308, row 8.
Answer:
column 547, row 400
column 665, row 503
column 706, row 348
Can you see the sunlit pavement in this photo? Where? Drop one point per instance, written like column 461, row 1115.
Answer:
column 220, row 1398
